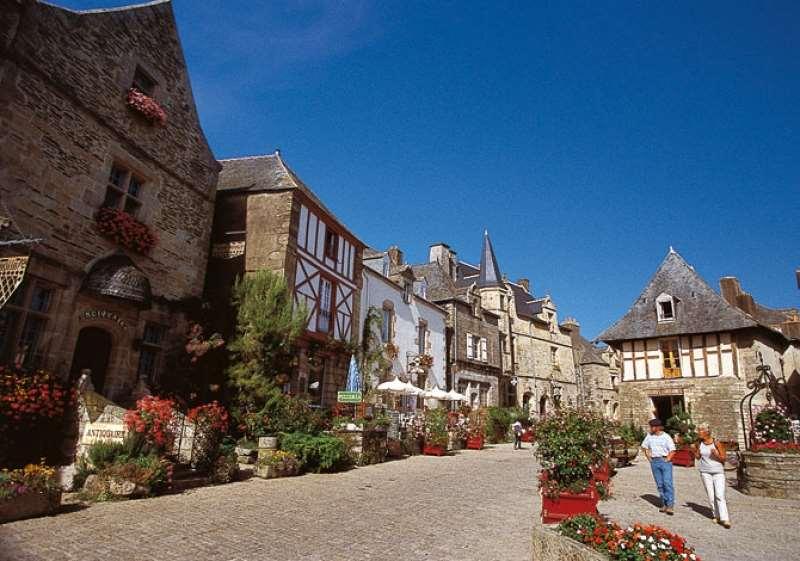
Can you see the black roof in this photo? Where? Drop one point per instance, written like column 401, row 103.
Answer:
column 698, row 308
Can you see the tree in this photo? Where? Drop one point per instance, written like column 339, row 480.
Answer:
column 268, row 324
column 370, row 356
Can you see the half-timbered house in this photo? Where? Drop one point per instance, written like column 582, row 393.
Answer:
column 268, row 219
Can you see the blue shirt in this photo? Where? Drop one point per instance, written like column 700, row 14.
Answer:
column 660, row 445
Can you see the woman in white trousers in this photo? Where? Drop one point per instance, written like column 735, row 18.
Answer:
column 711, row 454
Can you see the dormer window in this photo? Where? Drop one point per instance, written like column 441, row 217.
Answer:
column 665, row 307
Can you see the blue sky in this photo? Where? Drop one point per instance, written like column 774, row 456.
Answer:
column 587, row 137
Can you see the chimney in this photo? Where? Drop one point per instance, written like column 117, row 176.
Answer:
column 395, row 256
column 746, row 303
column 446, row 257
column 525, row 283
column 731, row 289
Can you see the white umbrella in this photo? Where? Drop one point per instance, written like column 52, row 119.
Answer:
column 453, row 395
column 436, row 393
column 395, row 386
column 411, row 389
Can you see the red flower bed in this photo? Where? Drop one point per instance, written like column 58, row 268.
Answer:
column 634, row 543
column 211, row 416
column 153, row 418
column 776, row 447
column 27, row 398
column 125, row 230
column 147, row 107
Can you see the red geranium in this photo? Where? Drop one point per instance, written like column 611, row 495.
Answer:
column 211, row 416
column 28, row 398
column 147, row 107
column 153, row 418
column 125, row 230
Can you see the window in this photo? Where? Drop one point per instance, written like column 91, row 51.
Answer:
column 331, row 244
column 484, row 351
column 421, row 288
column 407, row 292
column 124, row 190
column 143, row 82
column 665, row 306
column 422, row 332
column 503, row 343
column 502, row 302
column 476, row 347
column 324, row 317
column 150, row 351
column 671, row 358
column 554, row 357
column 387, row 319
column 23, row 322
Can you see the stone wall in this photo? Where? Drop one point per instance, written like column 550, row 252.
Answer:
column 770, row 475
column 548, row 545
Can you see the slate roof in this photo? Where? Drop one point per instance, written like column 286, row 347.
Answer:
column 466, row 274
column 267, row 173
column 440, row 286
column 490, row 270
column 589, row 353
column 698, row 308
column 524, row 302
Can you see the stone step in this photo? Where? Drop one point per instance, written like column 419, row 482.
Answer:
column 186, row 483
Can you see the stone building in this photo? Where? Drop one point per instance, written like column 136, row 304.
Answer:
column 81, row 153
column 683, row 345
column 412, row 326
column 597, row 373
column 268, row 219
column 474, row 365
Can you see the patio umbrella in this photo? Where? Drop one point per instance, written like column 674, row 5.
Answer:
column 395, row 386
column 413, row 390
column 353, row 377
column 453, row 395
column 436, row 393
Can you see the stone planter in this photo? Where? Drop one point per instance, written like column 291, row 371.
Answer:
column 271, row 472
column 28, row 505
column 268, row 443
column 767, row 474
column 475, row 443
column 548, row 545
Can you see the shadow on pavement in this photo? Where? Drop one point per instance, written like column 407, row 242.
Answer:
column 652, row 499
column 701, row 509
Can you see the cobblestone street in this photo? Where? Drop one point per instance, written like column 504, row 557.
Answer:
column 470, row 506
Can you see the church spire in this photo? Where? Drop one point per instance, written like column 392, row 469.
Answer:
column 490, row 271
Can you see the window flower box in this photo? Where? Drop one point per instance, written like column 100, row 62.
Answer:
column 125, row 230
column 146, row 106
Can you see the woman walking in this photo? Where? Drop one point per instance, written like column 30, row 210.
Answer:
column 712, row 471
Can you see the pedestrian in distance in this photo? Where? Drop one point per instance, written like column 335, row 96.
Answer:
column 517, row 428
column 711, row 454
column 660, row 448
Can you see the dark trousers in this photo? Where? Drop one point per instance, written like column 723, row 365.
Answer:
column 517, row 440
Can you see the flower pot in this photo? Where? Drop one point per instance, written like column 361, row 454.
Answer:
column 433, row 450
column 602, row 472
column 475, row 443
column 683, row 457
column 527, row 436
column 565, row 504
column 28, row 505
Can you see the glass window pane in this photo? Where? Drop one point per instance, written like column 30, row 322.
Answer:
column 132, row 206
column 147, row 363
column 40, row 299
column 134, row 186
column 113, row 198
column 29, row 340
column 117, row 176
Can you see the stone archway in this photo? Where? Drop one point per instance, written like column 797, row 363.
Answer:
column 92, row 352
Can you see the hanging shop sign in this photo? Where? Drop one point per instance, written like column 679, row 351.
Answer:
column 91, row 315
column 228, row 250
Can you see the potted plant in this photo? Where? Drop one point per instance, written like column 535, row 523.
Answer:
column 435, row 433
column 477, row 430
column 570, row 444
column 278, row 464
column 146, row 106
column 682, row 429
column 30, row 491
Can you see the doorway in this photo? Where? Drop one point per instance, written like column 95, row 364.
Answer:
column 665, row 406
column 92, row 351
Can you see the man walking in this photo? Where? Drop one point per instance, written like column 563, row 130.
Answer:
column 659, row 449
column 517, row 428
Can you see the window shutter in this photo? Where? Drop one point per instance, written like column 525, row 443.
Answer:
column 483, row 349
column 470, row 348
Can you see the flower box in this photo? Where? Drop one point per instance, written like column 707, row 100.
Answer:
column 683, row 457
column 28, row 505
column 475, row 443
column 527, row 436
column 433, row 450
column 602, row 472
column 147, row 107
column 565, row 504
column 125, row 230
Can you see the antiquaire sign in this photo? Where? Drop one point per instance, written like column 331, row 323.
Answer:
column 349, row 397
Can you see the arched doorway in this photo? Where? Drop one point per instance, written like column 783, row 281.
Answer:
column 92, row 351
column 543, row 406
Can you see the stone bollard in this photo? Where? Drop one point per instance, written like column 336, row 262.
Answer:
column 267, row 446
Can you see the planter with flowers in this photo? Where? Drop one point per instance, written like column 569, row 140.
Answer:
column 30, row 491
column 278, row 464
column 146, row 106
column 682, row 429
column 771, row 468
column 591, row 538
column 436, row 436
column 425, row 361
column 125, row 230
column 477, row 429
column 570, row 443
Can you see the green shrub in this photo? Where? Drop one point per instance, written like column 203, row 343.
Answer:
column 316, row 453
column 436, row 427
column 631, row 433
column 103, row 454
column 499, row 421
column 772, row 425
column 681, row 427
column 285, row 414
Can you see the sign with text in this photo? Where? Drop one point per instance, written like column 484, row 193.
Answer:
column 349, row 397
